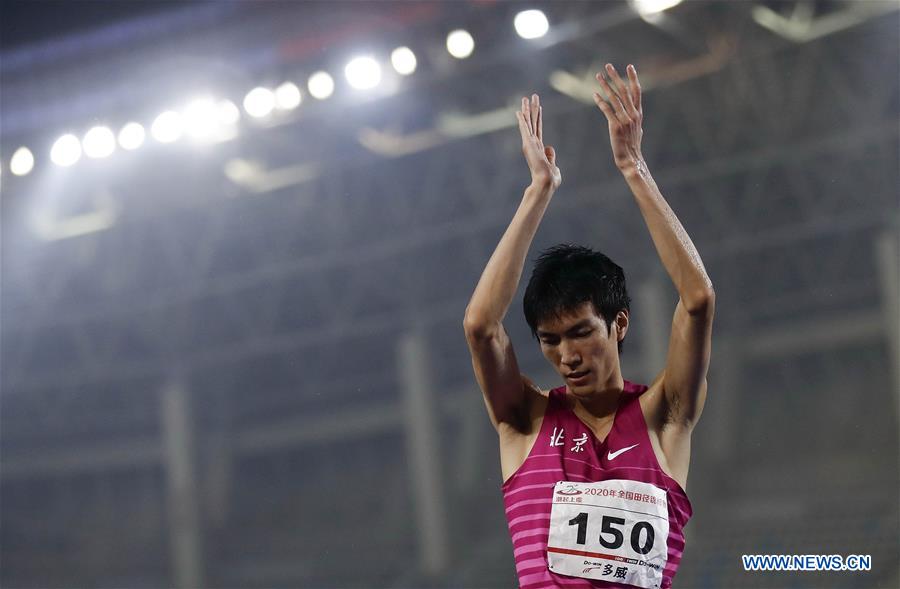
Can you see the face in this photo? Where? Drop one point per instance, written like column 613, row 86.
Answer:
column 581, row 350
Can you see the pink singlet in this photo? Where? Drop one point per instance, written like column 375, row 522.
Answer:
column 567, row 450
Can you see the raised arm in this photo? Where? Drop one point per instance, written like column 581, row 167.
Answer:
column 684, row 379
column 506, row 392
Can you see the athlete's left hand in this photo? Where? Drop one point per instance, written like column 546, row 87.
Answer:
column 623, row 111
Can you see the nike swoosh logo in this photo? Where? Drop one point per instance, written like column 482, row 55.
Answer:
column 611, row 455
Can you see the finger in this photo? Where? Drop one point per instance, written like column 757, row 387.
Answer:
column 635, row 87
column 615, row 105
column 540, row 124
column 612, row 98
column 526, row 112
column 535, row 106
column 523, row 126
column 621, row 90
column 604, row 107
column 551, row 155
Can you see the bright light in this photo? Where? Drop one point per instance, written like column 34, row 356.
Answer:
column 201, row 119
column 363, row 73
column 460, row 44
column 167, row 127
column 21, row 162
column 259, row 102
column 131, row 136
column 320, row 85
column 287, row 96
column 653, row 7
column 403, row 60
column 66, row 151
column 531, row 24
column 228, row 113
column 98, row 142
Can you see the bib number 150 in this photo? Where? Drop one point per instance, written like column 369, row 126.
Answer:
column 642, row 534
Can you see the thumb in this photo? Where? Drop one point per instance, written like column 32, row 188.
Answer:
column 551, row 155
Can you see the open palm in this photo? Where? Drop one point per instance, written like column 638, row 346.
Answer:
column 624, row 114
column 541, row 159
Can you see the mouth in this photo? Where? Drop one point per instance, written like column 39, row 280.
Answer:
column 577, row 377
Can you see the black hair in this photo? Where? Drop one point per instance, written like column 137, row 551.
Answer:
column 565, row 276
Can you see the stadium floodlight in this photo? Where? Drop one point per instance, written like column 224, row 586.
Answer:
column 131, row 136
column 99, row 142
column 320, row 85
column 531, row 24
column 403, row 60
column 363, row 73
column 651, row 8
column 167, row 127
column 201, row 119
column 287, row 96
column 66, row 150
column 228, row 112
column 21, row 162
column 259, row 102
column 460, row 44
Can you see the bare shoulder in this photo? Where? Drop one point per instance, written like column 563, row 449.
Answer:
column 532, row 413
column 517, row 440
column 537, row 405
column 671, row 440
column 653, row 404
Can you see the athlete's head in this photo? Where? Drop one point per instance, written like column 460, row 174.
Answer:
column 577, row 306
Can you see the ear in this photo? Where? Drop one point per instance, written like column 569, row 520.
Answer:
column 620, row 325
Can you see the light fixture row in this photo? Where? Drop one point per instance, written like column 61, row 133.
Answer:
column 208, row 120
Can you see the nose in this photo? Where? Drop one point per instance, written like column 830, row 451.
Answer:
column 570, row 356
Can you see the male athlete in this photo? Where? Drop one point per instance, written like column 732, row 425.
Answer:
column 594, row 471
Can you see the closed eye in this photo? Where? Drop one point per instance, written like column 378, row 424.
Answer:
column 554, row 341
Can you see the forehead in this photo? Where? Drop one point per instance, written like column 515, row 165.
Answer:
column 569, row 319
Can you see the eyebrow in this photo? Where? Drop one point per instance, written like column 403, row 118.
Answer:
column 576, row 327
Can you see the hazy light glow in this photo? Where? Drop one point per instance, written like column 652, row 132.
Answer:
column 531, row 24
column 131, row 136
column 201, row 119
column 320, row 85
column 403, row 60
column 167, row 127
column 66, row 150
column 21, row 162
column 259, row 102
column 228, row 113
column 363, row 72
column 653, row 7
column 460, row 44
column 287, row 96
column 99, row 142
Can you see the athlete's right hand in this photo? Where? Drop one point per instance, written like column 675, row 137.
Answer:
column 541, row 159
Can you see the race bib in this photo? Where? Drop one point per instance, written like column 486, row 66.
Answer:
column 611, row 530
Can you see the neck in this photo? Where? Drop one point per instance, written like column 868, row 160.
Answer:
column 605, row 399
